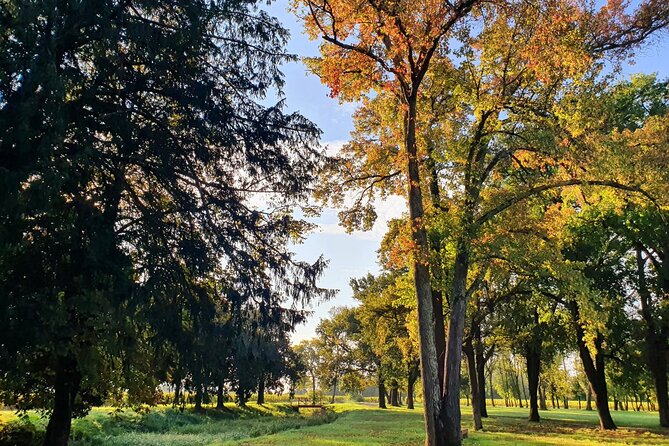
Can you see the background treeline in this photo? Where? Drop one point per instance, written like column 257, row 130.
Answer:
column 147, row 194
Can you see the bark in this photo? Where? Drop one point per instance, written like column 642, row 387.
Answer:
column 542, row 399
column 533, row 357
column 594, row 369
column 219, row 397
column 66, row 388
column 474, row 385
column 588, row 398
column 382, row 392
column 492, row 391
column 177, row 392
column 656, row 342
column 261, row 389
column 481, row 360
column 198, row 397
column 451, row 416
column 437, row 295
column 394, row 393
column 432, row 405
column 414, row 373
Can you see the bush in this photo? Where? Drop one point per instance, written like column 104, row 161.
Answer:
column 20, row 432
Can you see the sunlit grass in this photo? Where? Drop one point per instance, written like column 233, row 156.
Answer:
column 349, row 424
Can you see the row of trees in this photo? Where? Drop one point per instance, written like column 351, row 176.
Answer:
column 146, row 203
column 499, row 122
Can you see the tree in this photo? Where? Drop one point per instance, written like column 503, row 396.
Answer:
column 131, row 152
column 391, row 47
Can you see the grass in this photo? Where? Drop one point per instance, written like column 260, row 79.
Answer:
column 352, row 424
column 366, row 425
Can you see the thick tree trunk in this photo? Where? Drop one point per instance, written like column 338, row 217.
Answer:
column 382, row 392
column 66, row 388
column 533, row 357
column 261, row 389
column 473, row 384
column 451, row 416
column 198, row 397
column 432, row 405
column 437, row 295
column 394, row 393
column 594, row 370
column 656, row 341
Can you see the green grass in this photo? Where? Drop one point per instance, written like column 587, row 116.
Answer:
column 365, row 425
column 352, row 425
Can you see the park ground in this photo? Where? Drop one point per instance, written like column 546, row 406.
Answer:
column 343, row 425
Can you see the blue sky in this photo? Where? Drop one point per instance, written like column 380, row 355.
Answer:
column 354, row 255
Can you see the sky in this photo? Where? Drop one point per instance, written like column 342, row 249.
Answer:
column 355, row 255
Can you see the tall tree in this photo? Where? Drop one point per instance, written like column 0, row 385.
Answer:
column 131, row 152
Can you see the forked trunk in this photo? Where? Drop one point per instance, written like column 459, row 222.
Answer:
column 432, row 406
column 594, row 370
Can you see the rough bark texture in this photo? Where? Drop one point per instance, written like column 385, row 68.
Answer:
column 451, row 415
column 594, row 370
column 426, row 320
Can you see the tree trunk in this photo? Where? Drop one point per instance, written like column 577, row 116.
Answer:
column 219, row 397
column 542, row 400
column 432, row 405
column 177, row 392
column 394, row 393
column 474, row 385
column 492, row 391
column 480, row 358
column 588, row 398
column 594, row 370
column 533, row 357
column 450, row 411
column 66, row 388
column 334, row 391
column 382, row 392
column 413, row 374
column 656, row 342
column 198, row 397
column 261, row 389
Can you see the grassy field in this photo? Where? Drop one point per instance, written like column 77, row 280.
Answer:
column 351, row 425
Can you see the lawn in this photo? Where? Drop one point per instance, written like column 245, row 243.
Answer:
column 350, row 425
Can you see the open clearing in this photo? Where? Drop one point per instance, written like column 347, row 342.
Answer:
column 351, row 424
